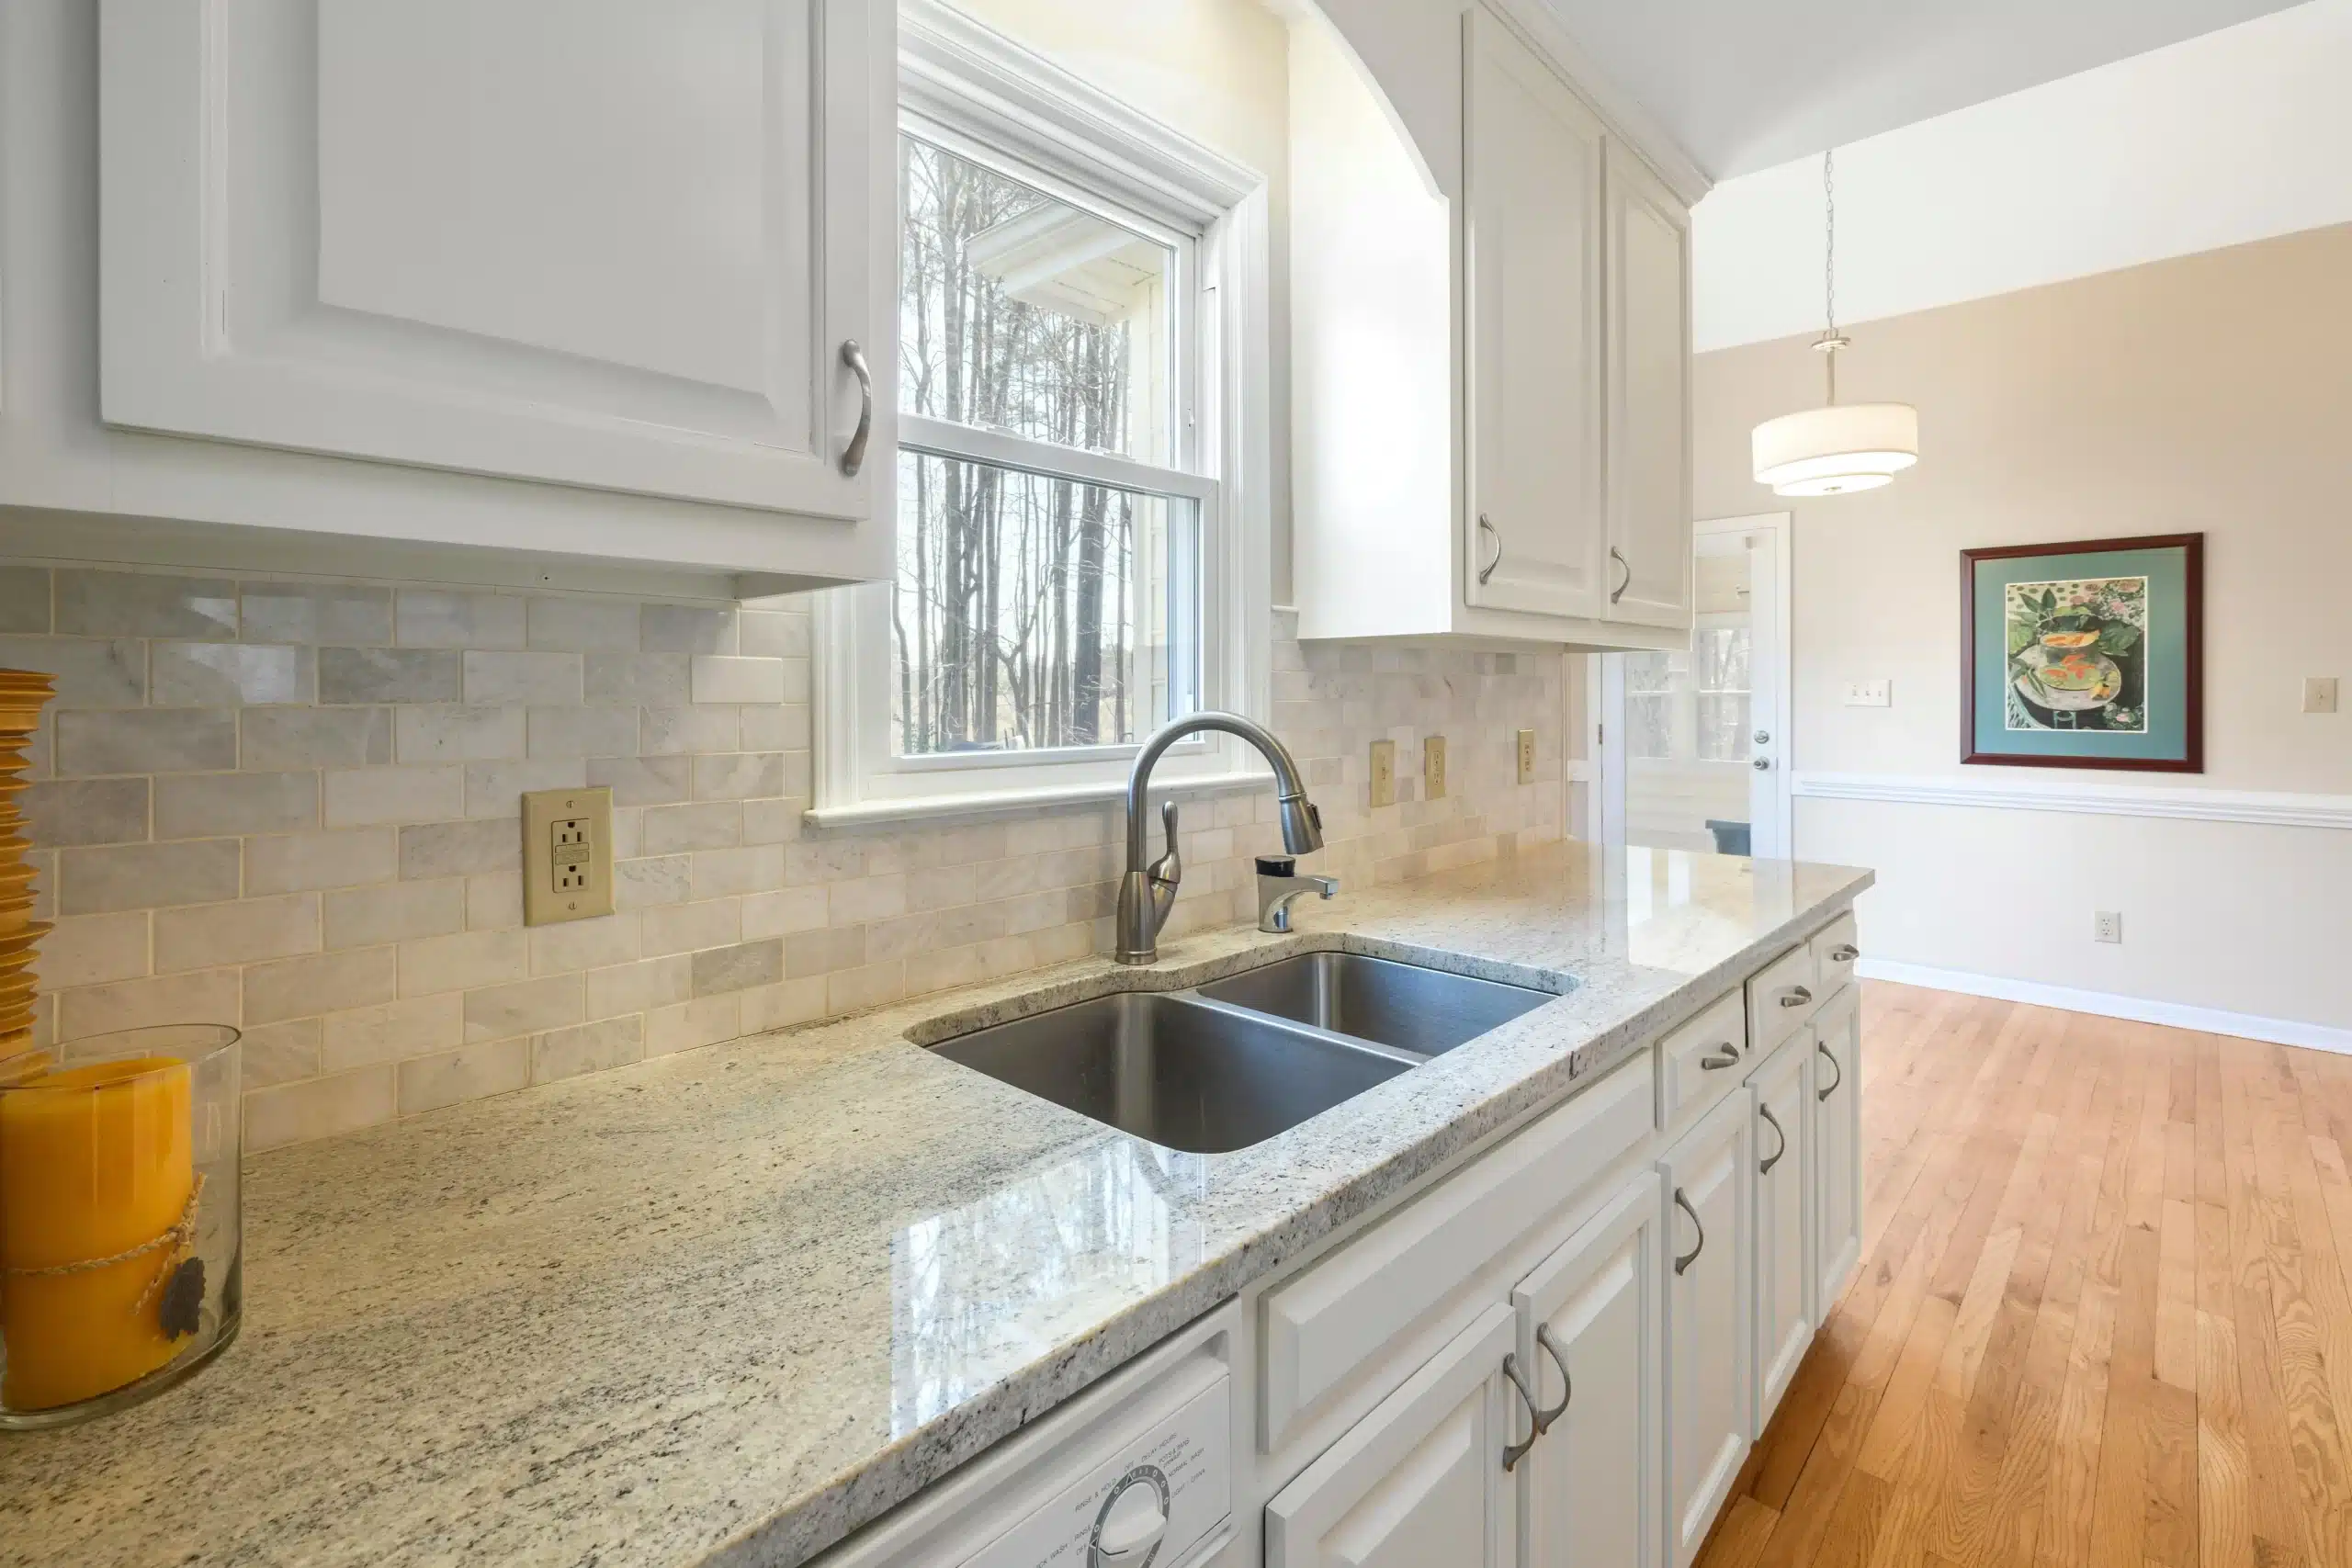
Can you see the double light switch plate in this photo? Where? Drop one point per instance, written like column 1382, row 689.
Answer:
column 567, row 856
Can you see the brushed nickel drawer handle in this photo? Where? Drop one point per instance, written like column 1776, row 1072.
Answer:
column 1487, row 570
column 1831, row 1057
column 1514, row 1452
column 1843, row 953
column 1766, row 1168
column 1619, row 592
column 1688, row 1259
column 1796, row 997
column 1544, row 1418
column 1712, row 1063
column 854, row 454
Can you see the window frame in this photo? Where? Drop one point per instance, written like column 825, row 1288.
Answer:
column 978, row 96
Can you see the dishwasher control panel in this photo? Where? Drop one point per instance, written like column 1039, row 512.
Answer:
column 1164, row 1489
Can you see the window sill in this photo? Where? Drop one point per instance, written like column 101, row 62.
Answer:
column 1005, row 803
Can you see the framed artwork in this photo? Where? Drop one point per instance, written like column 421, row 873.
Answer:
column 2085, row 655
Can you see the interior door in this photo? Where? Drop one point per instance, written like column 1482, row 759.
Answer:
column 1707, row 1308
column 1837, row 1102
column 1784, row 1286
column 1695, row 743
column 1648, row 269
column 1533, row 530
column 1589, row 1491
column 593, row 243
column 1418, row 1483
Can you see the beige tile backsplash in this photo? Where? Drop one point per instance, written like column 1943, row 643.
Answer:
column 293, row 806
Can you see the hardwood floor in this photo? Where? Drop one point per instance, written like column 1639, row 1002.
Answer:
column 2104, row 1315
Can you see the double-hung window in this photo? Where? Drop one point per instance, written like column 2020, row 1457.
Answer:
column 1080, row 479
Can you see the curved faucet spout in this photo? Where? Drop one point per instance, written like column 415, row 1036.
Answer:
column 1148, row 893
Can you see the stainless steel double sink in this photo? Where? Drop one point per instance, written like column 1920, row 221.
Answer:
column 1230, row 1064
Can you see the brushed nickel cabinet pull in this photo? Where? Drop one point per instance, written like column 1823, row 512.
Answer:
column 1683, row 1263
column 854, row 454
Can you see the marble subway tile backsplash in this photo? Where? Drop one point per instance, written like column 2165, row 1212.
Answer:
column 293, row 806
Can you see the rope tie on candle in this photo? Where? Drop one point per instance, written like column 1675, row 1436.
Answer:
column 181, row 1235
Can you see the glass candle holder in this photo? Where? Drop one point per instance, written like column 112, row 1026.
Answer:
column 120, row 1234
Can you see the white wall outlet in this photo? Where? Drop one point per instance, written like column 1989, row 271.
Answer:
column 567, row 856
column 2107, row 926
column 2319, row 693
column 1870, row 694
column 1527, row 756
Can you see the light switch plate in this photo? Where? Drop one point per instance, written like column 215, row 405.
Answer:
column 1433, row 768
column 567, row 856
column 1870, row 694
column 2319, row 693
column 1527, row 756
column 1384, row 773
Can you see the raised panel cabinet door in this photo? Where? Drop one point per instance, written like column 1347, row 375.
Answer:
column 1532, row 530
column 1418, row 1483
column 591, row 242
column 1783, row 1201
column 1650, row 521
column 1835, row 1096
column 1708, row 1297
column 1589, row 1491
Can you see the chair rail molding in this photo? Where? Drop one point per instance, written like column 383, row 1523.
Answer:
column 2267, row 809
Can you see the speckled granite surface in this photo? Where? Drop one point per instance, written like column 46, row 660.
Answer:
column 727, row 1305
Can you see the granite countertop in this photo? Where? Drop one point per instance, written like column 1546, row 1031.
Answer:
column 727, row 1305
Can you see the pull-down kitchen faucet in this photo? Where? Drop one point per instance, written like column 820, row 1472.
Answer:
column 1148, row 893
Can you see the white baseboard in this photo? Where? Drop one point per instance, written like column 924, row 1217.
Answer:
column 2104, row 1004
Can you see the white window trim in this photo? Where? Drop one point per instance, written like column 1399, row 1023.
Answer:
column 960, row 83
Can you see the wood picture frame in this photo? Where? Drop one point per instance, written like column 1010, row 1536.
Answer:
column 2100, row 655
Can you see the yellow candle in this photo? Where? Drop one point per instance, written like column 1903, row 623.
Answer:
column 94, row 1161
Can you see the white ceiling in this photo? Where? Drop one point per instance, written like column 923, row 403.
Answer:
column 1743, row 84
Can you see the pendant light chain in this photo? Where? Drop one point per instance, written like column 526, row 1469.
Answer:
column 1830, row 342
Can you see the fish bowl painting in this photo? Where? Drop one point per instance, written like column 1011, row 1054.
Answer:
column 2085, row 655
column 2074, row 654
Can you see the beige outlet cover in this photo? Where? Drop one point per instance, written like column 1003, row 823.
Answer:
column 1526, row 748
column 1384, row 773
column 1433, row 768
column 567, row 856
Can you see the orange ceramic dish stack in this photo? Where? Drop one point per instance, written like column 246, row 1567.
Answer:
column 23, row 694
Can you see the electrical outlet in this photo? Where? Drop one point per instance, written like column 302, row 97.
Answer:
column 2109, row 927
column 2319, row 693
column 1870, row 694
column 1527, row 756
column 567, row 856
column 1384, row 773
column 1433, row 768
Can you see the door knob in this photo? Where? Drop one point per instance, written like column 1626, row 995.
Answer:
column 1763, row 738
column 1763, row 764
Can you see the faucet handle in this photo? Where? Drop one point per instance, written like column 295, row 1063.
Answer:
column 1169, row 869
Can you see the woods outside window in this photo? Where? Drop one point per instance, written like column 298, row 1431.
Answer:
column 1081, row 497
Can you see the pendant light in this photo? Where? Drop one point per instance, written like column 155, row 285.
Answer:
column 1840, row 447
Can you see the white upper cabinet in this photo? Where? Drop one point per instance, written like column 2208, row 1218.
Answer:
column 588, row 242
column 1534, row 156
column 566, row 277
column 1490, row 343
column 1650, row 516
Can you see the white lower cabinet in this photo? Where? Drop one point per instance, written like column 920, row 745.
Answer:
column 1420, row 1482
column 1707, row 1299
column 1835, row 1103
column 1590, row 1336
column 1784, row 1284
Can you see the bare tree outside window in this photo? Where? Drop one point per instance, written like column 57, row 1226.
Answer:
column 1034, row 610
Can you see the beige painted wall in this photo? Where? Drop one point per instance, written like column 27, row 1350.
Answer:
column 1218, row 71
column 2212, row 393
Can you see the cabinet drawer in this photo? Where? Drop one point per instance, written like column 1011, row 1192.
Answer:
column 1835, row 949
column 1343, row 1311
column 1692, row 1067
column 1780, row 998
